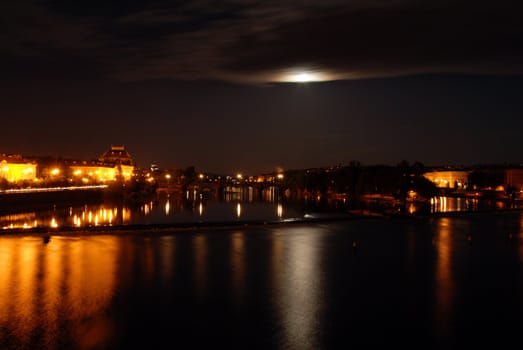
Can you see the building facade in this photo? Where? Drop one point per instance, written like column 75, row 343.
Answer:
column 455, row 179
column 14, row 168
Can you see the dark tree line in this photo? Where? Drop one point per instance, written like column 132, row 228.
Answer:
column 356, row 179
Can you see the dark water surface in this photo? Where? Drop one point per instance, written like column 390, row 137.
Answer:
column 418, row 283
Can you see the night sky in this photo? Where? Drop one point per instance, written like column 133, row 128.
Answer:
column 212, row 83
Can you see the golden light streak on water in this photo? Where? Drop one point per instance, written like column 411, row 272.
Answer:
column 54, row 223
column 299, row 285
column 167, row 207
column 200, row 265
column 443, row 277
column 168, row 255
column 18, row 259
column 238, row 267
column 520, row 239
column 66, row 281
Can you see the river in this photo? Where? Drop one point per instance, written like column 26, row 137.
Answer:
column 436, row 283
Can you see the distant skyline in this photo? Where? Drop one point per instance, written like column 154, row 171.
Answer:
column 214, row 84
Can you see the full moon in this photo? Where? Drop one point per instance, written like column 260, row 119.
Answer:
column 303, row 76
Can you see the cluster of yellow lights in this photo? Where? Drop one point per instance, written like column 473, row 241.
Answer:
column 24, row 221
column 78, row 218
column 86, row 217
column 18, row 171
column 102, row 216
column 101, row 173
column 147, row 208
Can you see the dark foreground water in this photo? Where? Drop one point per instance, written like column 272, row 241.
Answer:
column 418, row 283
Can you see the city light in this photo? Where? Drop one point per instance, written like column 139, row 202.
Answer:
column 167, row 207
column 53, row 189
column 53, row 223
column 14, row 172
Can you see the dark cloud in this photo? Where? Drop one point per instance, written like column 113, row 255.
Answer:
column 249, row 41
column 390, row 41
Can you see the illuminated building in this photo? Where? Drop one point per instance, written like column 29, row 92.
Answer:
column 93, row 173
column 448, row 178
column 14, row 168
column 120, row 160
column 116, row 155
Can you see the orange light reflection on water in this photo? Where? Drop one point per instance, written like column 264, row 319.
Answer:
column 69, row 280
column 238, row 268
column 444, row 280
column 200, row 265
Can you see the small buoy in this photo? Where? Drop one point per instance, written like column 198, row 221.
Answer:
column 46, row 239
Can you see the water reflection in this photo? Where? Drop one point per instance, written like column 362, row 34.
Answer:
column 444, row 204
column 167, row 256
column 297, row 277
column 200, row 265
column 238, row 203
column 238, row 268
column 279, row 210
column 170, row 209
column 284, row 287
column 167, row 207
column 46, row 289
column 519, row 241
column 444, row 286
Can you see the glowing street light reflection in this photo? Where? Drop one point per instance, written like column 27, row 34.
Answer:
column 53, row 223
